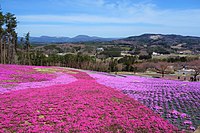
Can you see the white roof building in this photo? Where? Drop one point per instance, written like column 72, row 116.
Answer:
column 186, row 72
column 100, row 49
column 155, row 54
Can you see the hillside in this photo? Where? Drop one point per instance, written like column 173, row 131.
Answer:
column 160, row 39
column 54, row 99
column 143, row 44
column 163, row 44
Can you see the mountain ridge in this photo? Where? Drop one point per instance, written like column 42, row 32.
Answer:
column 144, row 39
column 78, row 38
column 160, row 39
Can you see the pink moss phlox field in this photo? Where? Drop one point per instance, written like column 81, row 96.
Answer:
column 60, row 79
column 176, row 101
column 80, row 106
column 13, row 77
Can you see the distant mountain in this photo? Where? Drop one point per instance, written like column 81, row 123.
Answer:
column 145, row 39
column 48, row 39
column 79, row 38
column 160, row 39
column 84, row 38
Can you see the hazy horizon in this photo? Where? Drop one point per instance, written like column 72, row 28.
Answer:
column 105, row 18
column 112, row 37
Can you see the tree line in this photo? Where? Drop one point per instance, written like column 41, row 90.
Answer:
column 9, row 48
column 8, row 36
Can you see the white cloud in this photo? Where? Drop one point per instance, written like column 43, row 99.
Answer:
column 120, row 12
column 188, row 18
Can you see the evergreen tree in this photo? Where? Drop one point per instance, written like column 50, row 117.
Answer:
column 27, row 45
column 11, row 36
column 1, row 35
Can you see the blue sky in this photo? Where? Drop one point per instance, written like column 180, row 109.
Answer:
column 105, row 18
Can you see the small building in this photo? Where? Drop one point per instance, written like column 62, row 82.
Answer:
column 100, row 49
column 155, row 54
column 46, row 55
column 185, row 72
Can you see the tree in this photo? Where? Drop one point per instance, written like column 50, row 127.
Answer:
column 27, row 45
column 14, row 48
column 1, row 35
column 144, row 57
column 11, row 36
column 161, row 67
column 128, row 62
column 113, row 65
column 22, row 50
column 119, row 67
column 195, row 65
column 134, row 67
column 142, row 67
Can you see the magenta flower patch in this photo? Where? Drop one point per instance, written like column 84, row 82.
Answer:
column 75, row 102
